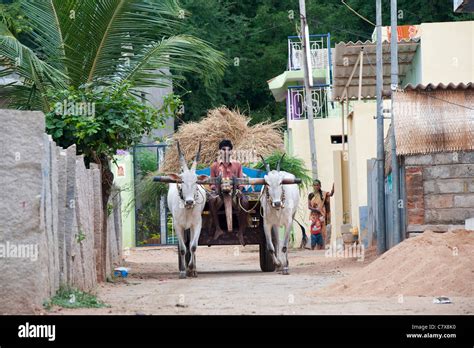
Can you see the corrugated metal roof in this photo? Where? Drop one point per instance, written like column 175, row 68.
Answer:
column 346, row 56
column 370, row 42
column 433, row 87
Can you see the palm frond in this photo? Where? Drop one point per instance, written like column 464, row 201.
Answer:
column 18, row 96
column 117, row 31
column 29, row 68
column 47, row 18
column 88, row 42
column 147, row 67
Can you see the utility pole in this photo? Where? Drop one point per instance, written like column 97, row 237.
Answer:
column 308, row 83
column 381, row 245
column 394, row 86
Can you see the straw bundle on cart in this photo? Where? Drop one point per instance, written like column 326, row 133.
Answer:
column 222, row 123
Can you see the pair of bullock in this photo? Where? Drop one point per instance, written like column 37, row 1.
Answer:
column 187, row 198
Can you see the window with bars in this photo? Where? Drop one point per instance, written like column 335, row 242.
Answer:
column 296, row 103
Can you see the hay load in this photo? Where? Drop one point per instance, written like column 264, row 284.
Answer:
column 222, row 123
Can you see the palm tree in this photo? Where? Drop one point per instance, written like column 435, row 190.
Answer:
column 96, row 44
column 100, row 43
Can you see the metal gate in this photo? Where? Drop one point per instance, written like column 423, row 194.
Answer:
column 152, row 219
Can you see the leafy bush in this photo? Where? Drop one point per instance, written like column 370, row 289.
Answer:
column 117, row 121
column 147, row 161
column 148, row 191
column 68, row 297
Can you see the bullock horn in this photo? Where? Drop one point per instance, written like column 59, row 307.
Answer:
column 196, row 159
column 267, row 166
column 279, row 162
column 182, row 160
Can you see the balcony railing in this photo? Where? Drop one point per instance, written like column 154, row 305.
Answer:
column 295, row 102
column 319, row 50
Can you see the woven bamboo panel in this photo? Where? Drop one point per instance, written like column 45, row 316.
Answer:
column 434, row 121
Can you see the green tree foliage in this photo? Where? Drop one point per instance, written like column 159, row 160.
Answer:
column 256, row 33
column 147, row 161
column 253, row 39
column 78, row 50
column 12, row 16
column 97, row 44
column 102, row 53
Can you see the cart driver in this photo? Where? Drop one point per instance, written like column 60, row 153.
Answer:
column 225, row 167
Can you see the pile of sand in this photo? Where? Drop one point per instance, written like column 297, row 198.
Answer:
column 432, row 264
column 222, row 123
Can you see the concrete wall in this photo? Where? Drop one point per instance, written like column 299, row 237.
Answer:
column 21, row 206
column 323, row 129
column 447, row 52
column 155, row 96
column 439, row 190
column 413, row 75
column 337, row 202
column 126, row 184
column 50, row 203
column 299, row 135
column 350, row 175
column 362, row 138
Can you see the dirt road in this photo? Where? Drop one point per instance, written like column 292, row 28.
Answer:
column 230, row 282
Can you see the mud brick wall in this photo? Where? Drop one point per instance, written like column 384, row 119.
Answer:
column 439, row 190
column 49, row 199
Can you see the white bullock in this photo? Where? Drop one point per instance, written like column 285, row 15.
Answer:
column 279, row 203
column 186, row 201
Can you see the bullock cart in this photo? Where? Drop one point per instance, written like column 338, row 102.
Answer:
column 254, row 233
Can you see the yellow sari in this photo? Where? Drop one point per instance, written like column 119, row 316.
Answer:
column 324, row 207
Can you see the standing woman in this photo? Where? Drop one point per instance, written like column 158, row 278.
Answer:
column 319, row 201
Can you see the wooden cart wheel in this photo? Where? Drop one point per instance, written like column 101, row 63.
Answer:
column 266, row 261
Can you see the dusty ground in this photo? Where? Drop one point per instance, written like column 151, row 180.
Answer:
column 428, row 264
column 230, row 282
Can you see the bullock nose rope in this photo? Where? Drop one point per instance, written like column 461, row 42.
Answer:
column 250, row 210
column 199, row 193
column 267, row 195
column 196, row 194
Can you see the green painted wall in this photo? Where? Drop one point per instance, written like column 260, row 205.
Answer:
column 125, row 182
column 413, row 75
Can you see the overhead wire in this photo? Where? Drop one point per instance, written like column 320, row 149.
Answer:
column 359, row 15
